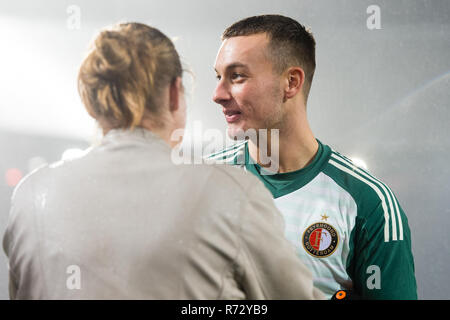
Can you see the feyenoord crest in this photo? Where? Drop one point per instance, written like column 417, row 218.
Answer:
column 320, row 239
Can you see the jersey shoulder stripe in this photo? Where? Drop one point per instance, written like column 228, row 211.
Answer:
column 389, row 203
column 229, row 154
column 392, row 200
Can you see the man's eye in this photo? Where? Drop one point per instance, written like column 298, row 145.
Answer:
column 236, row 76
column 218, row 77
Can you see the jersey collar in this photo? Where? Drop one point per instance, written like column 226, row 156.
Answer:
column 281, row 184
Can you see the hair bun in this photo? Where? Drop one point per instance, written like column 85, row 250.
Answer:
column 113, row 55
column 125, row 75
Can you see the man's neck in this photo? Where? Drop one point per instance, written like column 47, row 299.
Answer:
column 297, row 147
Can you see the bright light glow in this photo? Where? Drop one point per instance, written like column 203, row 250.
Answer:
column 72, row 153
column 359, row 162
column 39, row 79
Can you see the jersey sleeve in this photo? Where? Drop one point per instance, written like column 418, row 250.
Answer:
column 382, row 267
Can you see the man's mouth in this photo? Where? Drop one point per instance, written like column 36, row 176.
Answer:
column 232, row 115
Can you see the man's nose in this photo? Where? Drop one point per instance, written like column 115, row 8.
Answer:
column 221, row 93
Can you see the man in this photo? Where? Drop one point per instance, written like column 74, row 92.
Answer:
column 345, row 224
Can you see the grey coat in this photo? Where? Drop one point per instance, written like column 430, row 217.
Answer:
column 125, row 222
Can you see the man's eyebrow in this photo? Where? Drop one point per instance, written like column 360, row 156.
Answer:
column 233, row 65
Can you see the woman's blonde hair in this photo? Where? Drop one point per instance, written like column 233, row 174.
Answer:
column 125, row 73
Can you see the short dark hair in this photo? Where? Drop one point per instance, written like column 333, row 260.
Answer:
column 291, row 44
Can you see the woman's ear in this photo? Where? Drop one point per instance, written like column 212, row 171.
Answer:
column 175, row 92
column 295, row 80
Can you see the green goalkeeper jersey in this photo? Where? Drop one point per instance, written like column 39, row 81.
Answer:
column 346, row 225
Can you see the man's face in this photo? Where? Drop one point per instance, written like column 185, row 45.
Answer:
column 248, row 88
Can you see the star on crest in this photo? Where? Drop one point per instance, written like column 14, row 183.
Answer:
column 324, row 217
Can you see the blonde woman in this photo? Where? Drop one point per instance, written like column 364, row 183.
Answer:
column 124, row 222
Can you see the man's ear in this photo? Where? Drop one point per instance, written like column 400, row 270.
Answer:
column 175, row 90
column 295, row 77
